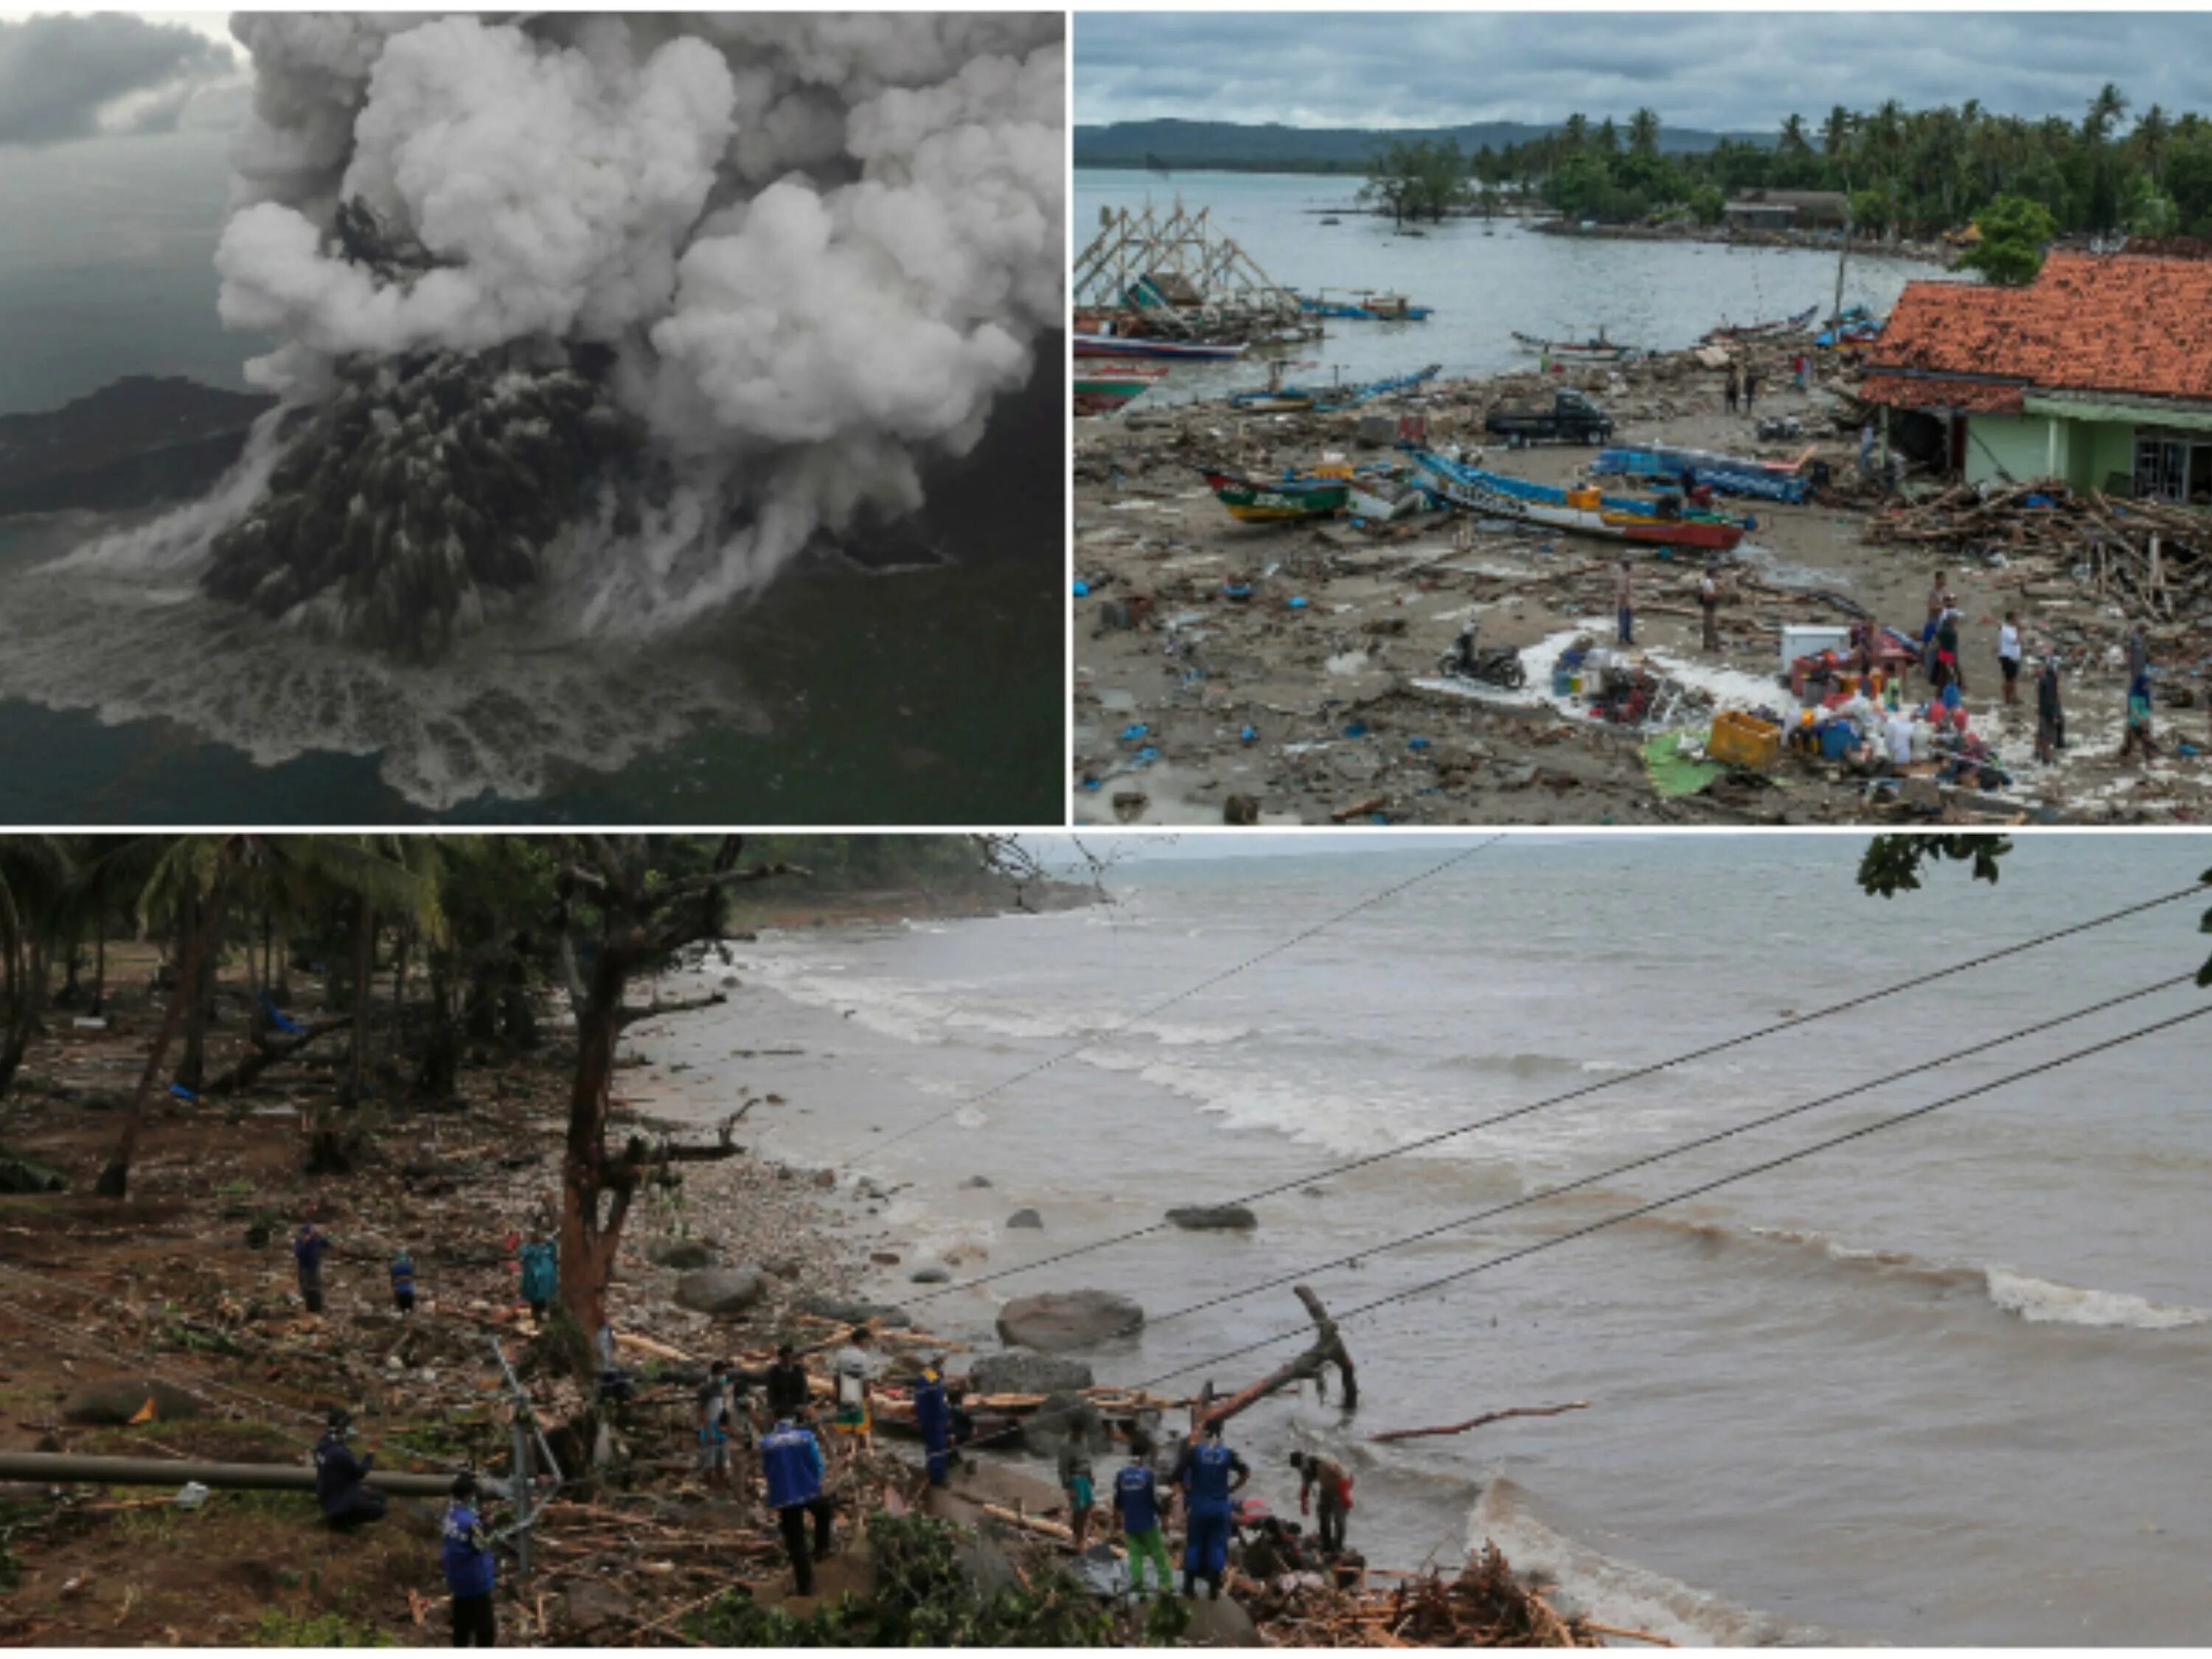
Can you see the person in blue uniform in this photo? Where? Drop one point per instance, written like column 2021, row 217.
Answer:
column 1137, row 1509
column 1209, row 1475
column 342, row 1488
column 932, row 1416
column 471, row 1571
column 790, row 1464
column 403, row 1281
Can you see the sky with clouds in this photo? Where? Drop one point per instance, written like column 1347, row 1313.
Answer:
column 66, row 76
column 1727, row 71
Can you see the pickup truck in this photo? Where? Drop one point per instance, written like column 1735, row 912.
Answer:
column 1572, row 419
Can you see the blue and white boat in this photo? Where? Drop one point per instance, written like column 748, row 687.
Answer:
column 1789, row 482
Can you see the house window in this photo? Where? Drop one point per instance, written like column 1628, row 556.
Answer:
column 2170, row 469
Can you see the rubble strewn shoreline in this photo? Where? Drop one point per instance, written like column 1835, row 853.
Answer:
column 1190, row 643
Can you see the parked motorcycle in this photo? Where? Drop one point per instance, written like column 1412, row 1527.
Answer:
column 1469, row 660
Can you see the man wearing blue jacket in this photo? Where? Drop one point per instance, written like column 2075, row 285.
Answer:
column 933, row 1415
column 471, row 1571
column 1209, row 1475
column 342, row 1485
column 790, row 1464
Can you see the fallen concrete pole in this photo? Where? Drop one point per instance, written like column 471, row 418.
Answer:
column 243, row 1477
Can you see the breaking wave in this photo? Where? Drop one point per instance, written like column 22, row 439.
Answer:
column 1619, row 1592
column 2041, row 1302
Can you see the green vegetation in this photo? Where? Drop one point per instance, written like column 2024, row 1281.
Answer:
column 1418, row 179
column 2014, row 232
column 1919, row 172
column 925, row 1597
column 278, row 1628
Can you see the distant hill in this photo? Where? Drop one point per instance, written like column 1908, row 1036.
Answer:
column 1226, row 145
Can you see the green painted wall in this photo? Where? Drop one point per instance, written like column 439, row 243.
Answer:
column 2007, row 447
column 2086, row 453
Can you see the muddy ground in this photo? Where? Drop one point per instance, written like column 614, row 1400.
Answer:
column 166, row 1286
column 1197, row 671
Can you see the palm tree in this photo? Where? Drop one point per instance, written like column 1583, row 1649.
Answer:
column 1793, row 143
column 1836, row 133
column 2104, row 113
column 2148, row 142
column 35, row 873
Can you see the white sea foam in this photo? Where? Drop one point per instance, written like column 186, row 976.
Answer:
column 2041, row 1302
column 1619, row 1592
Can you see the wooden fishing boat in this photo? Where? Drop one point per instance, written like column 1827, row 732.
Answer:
column 1277, row 500
column 1731, row 475
column 1175, row 351
column 1279, row 398
column 1102, row 390
column 1580, row 512
column 1595, row 350
column 1725, row 335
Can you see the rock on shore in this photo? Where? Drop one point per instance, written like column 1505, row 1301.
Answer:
column 1058, row 1322
column 1214, row 1218
column 1028, row 1373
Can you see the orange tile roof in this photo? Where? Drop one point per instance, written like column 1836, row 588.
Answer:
column 1933, row 392
column 2111, row 323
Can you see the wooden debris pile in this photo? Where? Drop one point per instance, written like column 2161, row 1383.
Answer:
column 2153, row 559
column 1485, row 1606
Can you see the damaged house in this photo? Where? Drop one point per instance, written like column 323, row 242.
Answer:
column 2098, row 373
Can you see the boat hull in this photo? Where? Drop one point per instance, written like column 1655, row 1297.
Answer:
column 1730, row 475
column 1115, row 345
column 1612, row 518
column 1252, row 500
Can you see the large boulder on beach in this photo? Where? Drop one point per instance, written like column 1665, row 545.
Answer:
column 685, row 1255
column 122, row 1399
column 1058, row 1321
column 1025, row 1219
column 855, row 1312
column 1223, row 1624
column 1214, row 1218
column 721, row 1290
column 1028, row 1373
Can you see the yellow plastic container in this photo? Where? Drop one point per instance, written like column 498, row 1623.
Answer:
column 1584, row 499
column 1740, row 740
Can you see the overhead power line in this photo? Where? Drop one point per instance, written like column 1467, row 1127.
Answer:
column 1616, row 1080
column 1700, row 1189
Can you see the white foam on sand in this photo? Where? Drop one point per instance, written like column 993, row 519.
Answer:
column 1619, row 1592
column 2042, row 1302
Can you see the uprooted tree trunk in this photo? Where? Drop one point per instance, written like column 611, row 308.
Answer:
column 115, row 1179
column 269, row 1049
column 643, row 922
column 1327, row 1350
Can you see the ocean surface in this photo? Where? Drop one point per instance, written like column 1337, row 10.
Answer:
column 1485, row 280
column 1943, row 1384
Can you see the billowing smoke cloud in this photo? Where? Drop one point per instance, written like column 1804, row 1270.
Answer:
column 719, row 284
column 64, row 78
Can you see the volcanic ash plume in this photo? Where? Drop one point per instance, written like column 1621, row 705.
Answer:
column 612, row 316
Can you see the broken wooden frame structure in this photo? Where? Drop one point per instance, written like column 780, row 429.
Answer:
column 1184, row 278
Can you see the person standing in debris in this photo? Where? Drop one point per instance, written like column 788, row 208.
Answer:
column 342, row 1488
column 1734, row 391
column 2049, row 715
column 1335, row 1484
column 932, row 1416
column 2008, row 657
column 1946, row 647
column 1626, row 600
column 1137, row 1513
column 615, row 1383
column 791, row 1466
column 471, row 1571
column 788, row 1391
column 1209, row 1475
column 2138, row 735
column 713, row 1414
column 1801, row 367
column 1750, row 390
column 403, row 1282
column 2138, row 650
column 1709, row 602
column 309, row 1246
column 1866, row 452
column 1075, row 1476
column 541, row 1276
column 854, row 1369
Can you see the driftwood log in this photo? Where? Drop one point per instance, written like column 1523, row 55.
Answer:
column 1327, row 1350
column 1477, row 1422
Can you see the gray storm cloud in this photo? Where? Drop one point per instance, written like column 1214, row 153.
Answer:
column 731, row 280
column 64, row 78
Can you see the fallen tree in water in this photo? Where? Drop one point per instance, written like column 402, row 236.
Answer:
column 1485, row 1606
